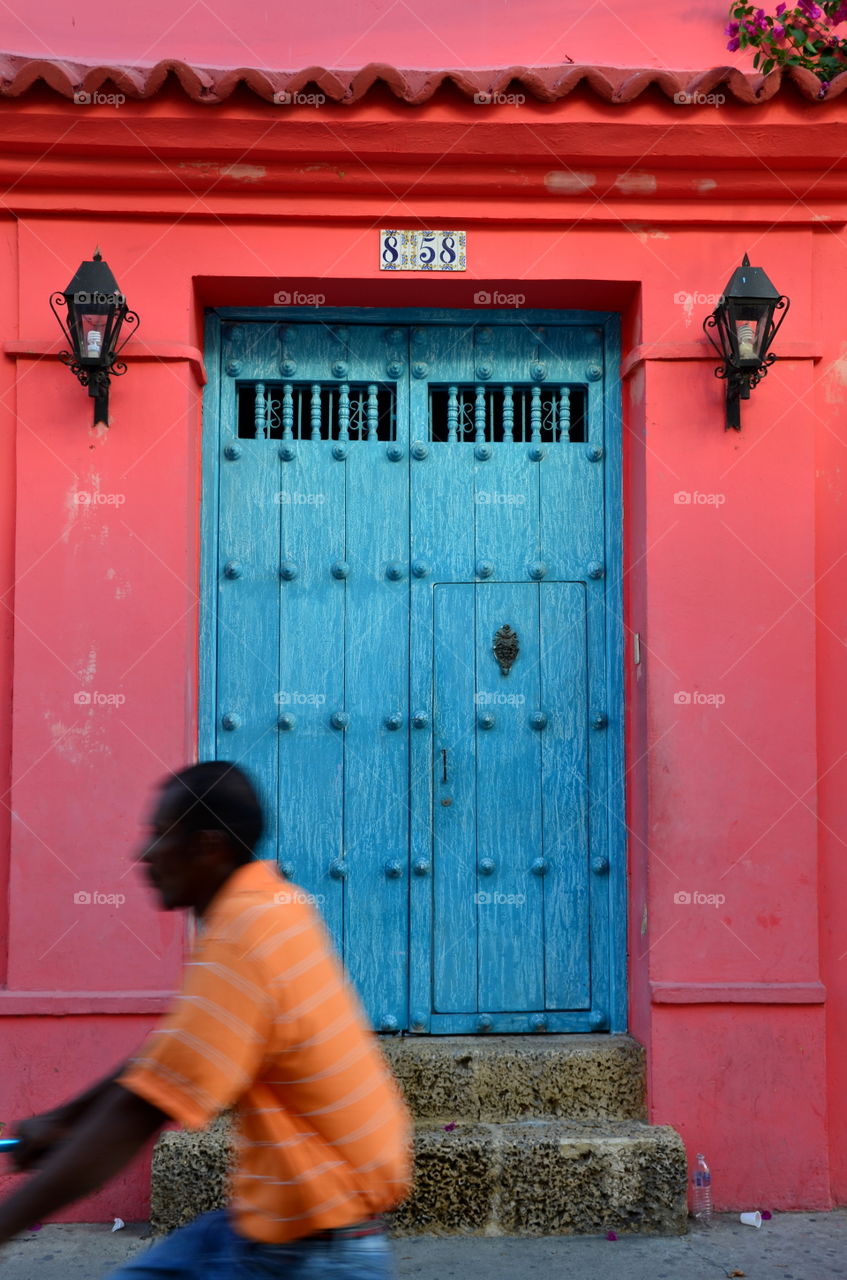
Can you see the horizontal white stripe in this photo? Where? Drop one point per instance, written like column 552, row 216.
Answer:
column 324, row 1033
column 270, row 1142
column 263, row 947
column 355, row 1095
column 209, row 1052
column 298, row 1217
column 377, row 1121
column 242, row 1029
column 258, row 994
column 311, row 1002
column 306, row 1176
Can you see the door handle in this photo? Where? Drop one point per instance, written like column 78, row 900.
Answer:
column 444, row 763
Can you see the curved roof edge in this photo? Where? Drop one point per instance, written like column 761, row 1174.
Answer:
column 209, row 85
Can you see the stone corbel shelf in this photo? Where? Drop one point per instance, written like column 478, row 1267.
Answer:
column 160, row 351
column 738, row 992
column 61, row 1004
column 702, row 351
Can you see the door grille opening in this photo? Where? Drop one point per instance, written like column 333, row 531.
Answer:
column 317, row 411
column 505, row 413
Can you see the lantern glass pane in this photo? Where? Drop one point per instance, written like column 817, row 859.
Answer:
column 750, row 327
column 92, row 332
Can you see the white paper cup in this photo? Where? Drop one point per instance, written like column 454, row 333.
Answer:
column 752, row 1219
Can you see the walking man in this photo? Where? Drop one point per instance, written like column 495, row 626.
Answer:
column 266, row 1023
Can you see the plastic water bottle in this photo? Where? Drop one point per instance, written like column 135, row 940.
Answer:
column 701, row 1182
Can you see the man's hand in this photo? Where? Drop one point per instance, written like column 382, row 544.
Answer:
column 38, row 1136
column 112, row 1131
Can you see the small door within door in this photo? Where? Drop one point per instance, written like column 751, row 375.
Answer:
column 510, row 827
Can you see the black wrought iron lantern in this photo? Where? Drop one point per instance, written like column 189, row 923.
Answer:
column 95, row 319
column 747, row 320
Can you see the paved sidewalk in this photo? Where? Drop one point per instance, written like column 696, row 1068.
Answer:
column 791, row 1246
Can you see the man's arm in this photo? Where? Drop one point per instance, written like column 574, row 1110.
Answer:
column 99, row 1146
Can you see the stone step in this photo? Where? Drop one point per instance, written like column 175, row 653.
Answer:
column 577, row 1077
column 514, row 1135
column 525, row 1178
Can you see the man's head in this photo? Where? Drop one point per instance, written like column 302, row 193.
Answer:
column 207, row 822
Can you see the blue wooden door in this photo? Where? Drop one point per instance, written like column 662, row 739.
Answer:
column 410, row 640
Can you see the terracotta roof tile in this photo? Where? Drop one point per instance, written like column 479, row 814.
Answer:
column 211, row 85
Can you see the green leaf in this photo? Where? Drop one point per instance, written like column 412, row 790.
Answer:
column 767, row 66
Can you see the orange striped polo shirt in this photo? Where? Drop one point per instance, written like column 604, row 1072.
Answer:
column 268, row 1023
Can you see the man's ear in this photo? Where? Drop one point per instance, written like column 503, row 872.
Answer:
column 214, row 847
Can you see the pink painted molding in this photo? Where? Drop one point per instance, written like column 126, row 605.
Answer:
column 702, row 351
column 61, row 1003
column 132, row 351
column 738, row 992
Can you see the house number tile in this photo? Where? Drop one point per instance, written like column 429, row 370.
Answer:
column 422, row 251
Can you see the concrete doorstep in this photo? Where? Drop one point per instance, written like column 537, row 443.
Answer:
column 791, row 1246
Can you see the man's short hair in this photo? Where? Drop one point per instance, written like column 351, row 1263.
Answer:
column 216, row 795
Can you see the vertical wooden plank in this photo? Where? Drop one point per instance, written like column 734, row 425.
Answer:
column 454, row 803
column 571, row 504
column 510, row 911
column 311, row 641
column 247, row 597
column 564, row 783
column 376, row 825
column 615, row 823
column 442, row 911
column 507, row 478
column 209, row 510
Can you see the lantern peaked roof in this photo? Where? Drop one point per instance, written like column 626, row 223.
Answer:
column 21, row 74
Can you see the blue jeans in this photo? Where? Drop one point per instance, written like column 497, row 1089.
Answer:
column 209, row 1249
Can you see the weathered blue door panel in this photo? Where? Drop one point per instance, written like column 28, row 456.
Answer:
column 382, row 499
column 511, row 911
column 564, row 783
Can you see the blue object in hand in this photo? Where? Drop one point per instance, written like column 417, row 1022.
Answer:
column 6, row 1144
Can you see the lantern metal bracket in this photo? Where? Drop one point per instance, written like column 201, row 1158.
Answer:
column 95, row 372
column 743, row 370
